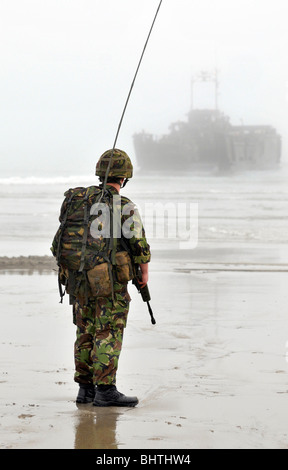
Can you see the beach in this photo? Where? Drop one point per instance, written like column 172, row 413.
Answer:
column 211, row 374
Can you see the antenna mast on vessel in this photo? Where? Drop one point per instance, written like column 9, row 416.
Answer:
column 205, row 76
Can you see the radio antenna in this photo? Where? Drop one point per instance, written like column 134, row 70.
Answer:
column 128, row 98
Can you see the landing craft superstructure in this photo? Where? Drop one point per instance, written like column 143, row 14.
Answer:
column 207, row 141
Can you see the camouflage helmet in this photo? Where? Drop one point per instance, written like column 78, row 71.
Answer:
column 121, row 166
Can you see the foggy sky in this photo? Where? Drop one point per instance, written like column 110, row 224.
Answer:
column 67, row 66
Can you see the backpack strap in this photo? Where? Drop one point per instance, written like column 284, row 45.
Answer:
column 112, row 246
column 61, row 291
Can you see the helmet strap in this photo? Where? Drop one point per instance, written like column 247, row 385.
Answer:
column 125, row 182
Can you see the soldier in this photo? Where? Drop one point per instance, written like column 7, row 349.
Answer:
column 101, row 321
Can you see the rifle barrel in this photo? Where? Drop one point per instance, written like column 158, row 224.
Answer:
column 153, row 321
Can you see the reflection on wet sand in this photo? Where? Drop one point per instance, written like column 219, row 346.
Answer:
column 212, row 374
column 95, row 428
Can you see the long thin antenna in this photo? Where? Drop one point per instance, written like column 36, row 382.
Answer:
column 128, row 97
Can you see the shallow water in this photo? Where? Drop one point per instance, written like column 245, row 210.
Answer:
column 239, row 208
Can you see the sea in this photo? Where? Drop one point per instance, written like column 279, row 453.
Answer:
column 210, row 212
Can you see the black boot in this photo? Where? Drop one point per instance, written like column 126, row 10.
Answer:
column 108, row 395
column 86, row 393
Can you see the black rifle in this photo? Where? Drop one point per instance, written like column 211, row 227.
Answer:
column 144, row 291
column 137, row 276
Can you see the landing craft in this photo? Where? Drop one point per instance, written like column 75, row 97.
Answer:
column 208, row 142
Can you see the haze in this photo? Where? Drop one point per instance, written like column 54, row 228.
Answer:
column 67, row 66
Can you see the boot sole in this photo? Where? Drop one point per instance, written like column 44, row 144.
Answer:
column 113, row 403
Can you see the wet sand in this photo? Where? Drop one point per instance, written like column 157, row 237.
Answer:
column 211, row 374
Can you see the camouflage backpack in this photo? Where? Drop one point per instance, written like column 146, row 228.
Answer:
column 75, row 248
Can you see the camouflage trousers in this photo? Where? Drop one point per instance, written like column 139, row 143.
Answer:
column 99, row 336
